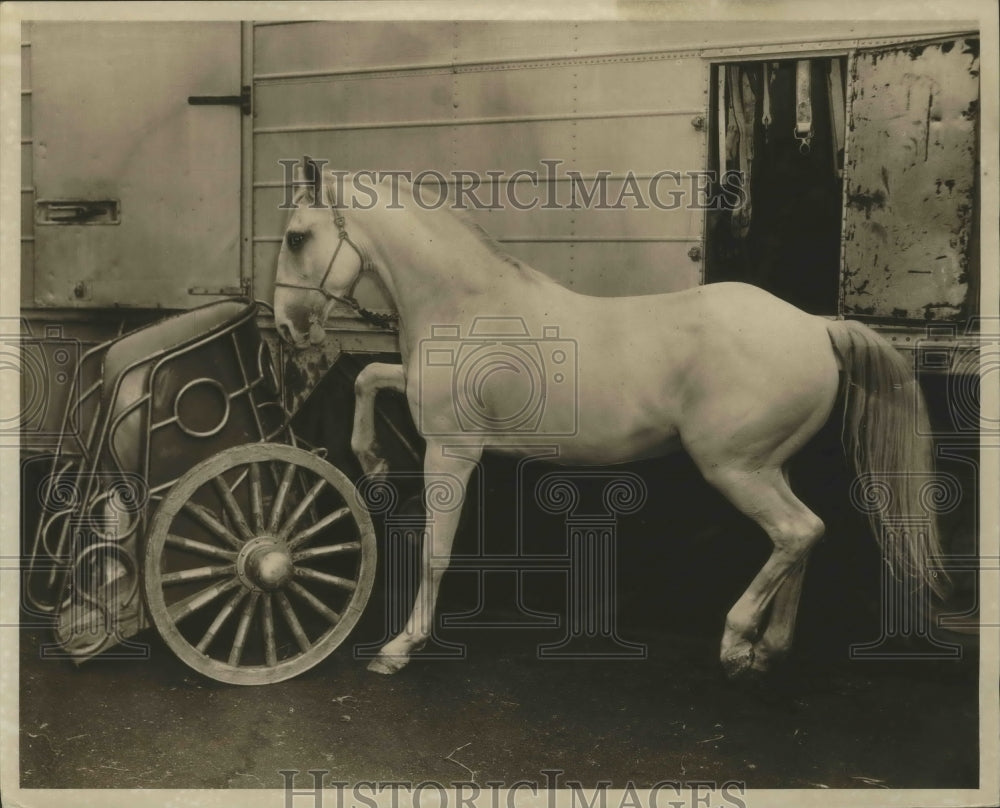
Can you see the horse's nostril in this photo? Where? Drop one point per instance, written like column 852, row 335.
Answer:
column 285, row 332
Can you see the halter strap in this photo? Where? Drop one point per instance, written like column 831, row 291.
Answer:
column 383, row 320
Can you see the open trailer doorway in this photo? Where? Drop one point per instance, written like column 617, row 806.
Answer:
column 779, row 127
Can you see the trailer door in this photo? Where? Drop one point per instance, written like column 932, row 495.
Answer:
column 137, row 191
column 910, row 183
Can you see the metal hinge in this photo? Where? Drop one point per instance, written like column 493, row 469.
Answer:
column 244, row 100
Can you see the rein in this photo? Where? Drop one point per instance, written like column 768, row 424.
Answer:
column 387, row 321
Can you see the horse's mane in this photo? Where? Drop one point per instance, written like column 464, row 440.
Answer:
column 463, row 219
column 480, row 233
column 486, row 239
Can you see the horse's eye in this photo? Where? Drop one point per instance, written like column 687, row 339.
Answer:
column 295, row 240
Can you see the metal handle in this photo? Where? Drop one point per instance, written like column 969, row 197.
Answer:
column 244, row 100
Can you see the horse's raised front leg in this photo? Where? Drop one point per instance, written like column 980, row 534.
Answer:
column 446, row 474
column 764, row 496
column 374, row 377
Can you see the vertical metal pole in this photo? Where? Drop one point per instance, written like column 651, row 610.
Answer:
column 246, row 164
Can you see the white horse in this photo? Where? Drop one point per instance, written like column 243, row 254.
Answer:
column 732, row 375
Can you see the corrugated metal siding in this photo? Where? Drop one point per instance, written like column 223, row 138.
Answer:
column 909, row 184
column 27, row 179
column 426, row 96
column 298, row 47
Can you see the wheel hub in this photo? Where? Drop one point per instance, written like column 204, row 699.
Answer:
column 265, row 564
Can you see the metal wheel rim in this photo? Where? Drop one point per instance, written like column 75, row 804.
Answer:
column 181, row 493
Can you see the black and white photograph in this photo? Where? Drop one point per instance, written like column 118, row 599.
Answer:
column 456, row 405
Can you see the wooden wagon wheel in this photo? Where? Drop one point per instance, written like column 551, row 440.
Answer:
column 258, row 563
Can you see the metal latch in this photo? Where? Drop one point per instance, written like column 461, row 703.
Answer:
column 77, row 211
column 244, row 100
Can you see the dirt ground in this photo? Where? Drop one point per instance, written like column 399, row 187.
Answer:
column 155, row 724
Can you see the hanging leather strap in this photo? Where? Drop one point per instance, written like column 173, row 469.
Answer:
column 744, row 104
column 803, row 104
column 837, row 113
column 765, row 116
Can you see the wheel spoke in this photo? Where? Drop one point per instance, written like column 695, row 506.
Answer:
column 279, row 498
column 326, row 578
column 300, row 509
column 304, row 490
column 232, row 508
column 224, row 614
column 315, row 602
column 256, row 498
column 209, row 520
column 199, row 547
column 242, row 628
column 270, row 646
column 189, row 605
column 317, row 527
column 257, row 563
column 329, row 550
column 293, row 622
column 198, row 574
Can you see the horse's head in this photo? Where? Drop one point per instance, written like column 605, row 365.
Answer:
column 318, row 264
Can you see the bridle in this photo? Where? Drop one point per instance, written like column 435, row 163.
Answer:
column 374, row 317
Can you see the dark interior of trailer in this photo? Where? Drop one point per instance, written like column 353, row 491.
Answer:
column 787, row 239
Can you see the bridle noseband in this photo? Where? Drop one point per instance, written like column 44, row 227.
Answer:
column 382, row 320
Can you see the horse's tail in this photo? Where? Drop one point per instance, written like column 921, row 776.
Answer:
column 886, row 436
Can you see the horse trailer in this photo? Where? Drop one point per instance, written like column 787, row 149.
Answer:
column 840, row 173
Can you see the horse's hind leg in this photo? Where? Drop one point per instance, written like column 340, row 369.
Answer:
column 777, row 637
column 765, row 497
column 776, row 640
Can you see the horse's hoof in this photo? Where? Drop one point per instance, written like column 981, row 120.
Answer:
column 767, row 658
column 373, row 466
column 387, row 665
column 739, row 663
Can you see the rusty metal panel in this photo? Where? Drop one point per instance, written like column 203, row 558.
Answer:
column 909, row 182
column 112, row 125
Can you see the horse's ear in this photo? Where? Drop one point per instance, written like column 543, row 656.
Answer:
column 314, row 174
column 308, row 181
